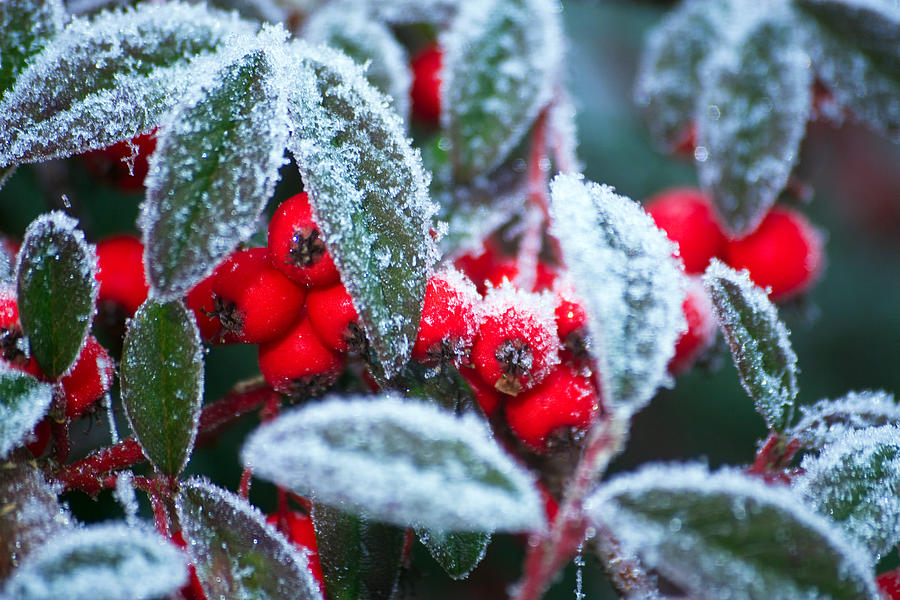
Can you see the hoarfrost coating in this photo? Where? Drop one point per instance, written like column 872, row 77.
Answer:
column 827, row 420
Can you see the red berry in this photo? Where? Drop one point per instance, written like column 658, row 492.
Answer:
column 571, row 324
column 11, row 339
column 698, row 312
column 120, row 271
column 487, row 397
column 889, row 584
column 566, row 398
column 334, row 319
column 112, row 163
column 301, row 532
column 252, row 299
column 426, row 85
column 449, row 319
column 688, row 218
column 202, row 302
column 297, row 364
column 296, row 246
column 485, row 268
column 785, row 253
column 89, row 379
column 40, row 438
column 517, row 344
column 546, row 277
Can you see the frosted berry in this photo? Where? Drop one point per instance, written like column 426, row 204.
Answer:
column 566, row 398
column 426, row 84
column 111, row 164
column 701, row 331
column 488, row 398
column 253, row 300
column 120, row 271
column 297, row 364
column 300, row 531
column 487, row 268
column 296, row 246
column 449, row 319
column 89, row 379
column 334, row 319
column 517, row 344
column 785, row 253
column 688, row 218
column 571, row 325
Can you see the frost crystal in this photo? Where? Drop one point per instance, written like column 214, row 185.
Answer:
column 827, row 420
column 633, row 288
column 402, row 462
column 413, row 11
column 23, row 401
column 27, row 25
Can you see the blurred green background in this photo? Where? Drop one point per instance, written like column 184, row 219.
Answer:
column 846, row 333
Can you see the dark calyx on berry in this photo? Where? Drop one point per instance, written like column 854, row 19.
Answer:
column 229, row 315
column 357, row 342
column 516, row 359
column 306, row 248
column 10, row 349
column 308, row 386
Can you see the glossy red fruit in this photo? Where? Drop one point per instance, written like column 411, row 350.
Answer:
column 12, row 347
column 689, row 220
column 111, row 164
column 252, row 299
column 299, row 530
column 487, row 397
column 571, row 324
column 120, row 271
column 701, row 328
column 484, row 267
column 566, row 398
column 334, row 319
column 89, row 379
column 517, row 344
column 40, row 438
column 296, row 247
column 785, row 253
column 449, row 319
column 426, row 85
column 889, row 584
column 201, row 302
column 297, row 364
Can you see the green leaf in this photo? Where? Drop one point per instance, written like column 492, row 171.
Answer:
column 726, row 535
column 759, row 342
column 827, row 420
column 632, row 287
column 214, row 169
column 369, row 195
column 357, row 453
column 236, row 553
column 501, row 59
column 27, row 26
column 854, row 481
column 162, row 382
column 56, row 291
column 458, row 553
column 751, row 116
column 360, row 557
column 107, row 79
column 444, row 386
column 23, row 401
column 855, row 52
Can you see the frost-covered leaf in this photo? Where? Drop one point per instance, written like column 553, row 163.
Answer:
column 633, row 289
column 759, row 341
column 369, row 194
column 348, row 28
column 262, row 11
column 23, row 401
column 357, row 453
column 854, row 50
column 726, row 535
column 827, row 420
column 107, row 79
column 27, row 26
column 238, row 555
column 445, row 386
column 399, row 12
column 213, row 171
column 854, row 481
column 668, row 79
column 162, row 382
column 100, row 562
column 360, row 557
column 752, row 114
column 458, row 553
column 57, row 290
column 501, row 60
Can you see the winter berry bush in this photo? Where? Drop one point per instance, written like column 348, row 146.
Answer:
column 367, row 221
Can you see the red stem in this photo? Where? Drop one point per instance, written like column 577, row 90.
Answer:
column 244, row 488
column 234, row 404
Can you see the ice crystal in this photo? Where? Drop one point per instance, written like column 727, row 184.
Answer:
column 827, row 420
column 27, row 25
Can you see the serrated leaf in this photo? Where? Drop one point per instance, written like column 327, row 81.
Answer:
column 214, row 169
column 500, row 62
column 668, row 77
column 105, row 80
column 751, row 117
column 27, row 26
column 854, row 50
column 100, row 562
column 56, row 291
column 360, row 557
column 759, row 342
column 369, row 195
column 23, row 401
column 239, row 556
column 854, row 481
column 632, row 287
column 162, row 382
column 458, row 553
column 827, row 420
column 356, row 453
column 726, row 535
